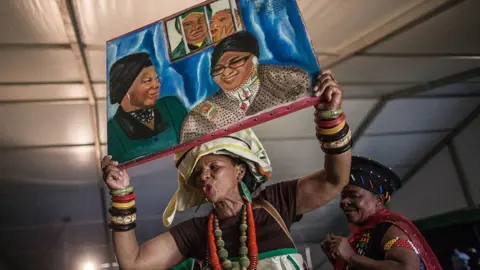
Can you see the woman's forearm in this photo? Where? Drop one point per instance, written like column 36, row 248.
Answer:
column 337, row 168
column 161, row 252
column 126, row 248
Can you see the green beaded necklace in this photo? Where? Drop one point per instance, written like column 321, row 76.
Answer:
column 242, row 251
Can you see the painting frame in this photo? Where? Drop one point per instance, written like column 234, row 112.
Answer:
column 247, row 122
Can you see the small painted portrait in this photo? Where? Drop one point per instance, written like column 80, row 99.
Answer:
column 190, row 31
column 247, row 87
column 224, row 24
column 143, row 117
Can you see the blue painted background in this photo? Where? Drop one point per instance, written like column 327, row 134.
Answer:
column 280, row 32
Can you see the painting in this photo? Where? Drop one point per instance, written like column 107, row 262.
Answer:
column 205, row 72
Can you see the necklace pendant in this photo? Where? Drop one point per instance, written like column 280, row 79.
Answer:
column 243, row 106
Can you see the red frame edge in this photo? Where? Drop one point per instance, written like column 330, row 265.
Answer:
column 298, row 105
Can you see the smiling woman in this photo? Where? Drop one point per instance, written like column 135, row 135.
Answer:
column 246, row 86
column 192, row 27
column 223, row 24
column 142, row 115
column 381, row 239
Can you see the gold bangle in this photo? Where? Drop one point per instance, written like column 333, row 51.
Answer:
column 123, row 220
column 330, row 131
column 123, row 206
column 340, row 143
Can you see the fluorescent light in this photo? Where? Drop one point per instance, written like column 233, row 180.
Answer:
column 88, row 266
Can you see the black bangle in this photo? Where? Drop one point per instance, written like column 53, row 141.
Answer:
column 335, row 137
column 122, row 212
column 338, row 151
column 122, row 228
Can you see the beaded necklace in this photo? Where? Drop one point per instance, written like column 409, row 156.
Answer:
column 361, row 247
column 217, row 255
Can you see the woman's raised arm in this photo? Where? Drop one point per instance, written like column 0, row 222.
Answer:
column 319, row 188
column 160, row 252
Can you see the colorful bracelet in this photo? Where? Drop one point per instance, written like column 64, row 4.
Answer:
column 330, row 114
column 123, row 220
column 337, row 151
column 122, row 192
column 340, row 143
column 122, row 212
column 122, row 228
column 126, row 198
column 123, row 206
column 330, row 131
column 335, row 137
column 333, row 132
column 330, row 123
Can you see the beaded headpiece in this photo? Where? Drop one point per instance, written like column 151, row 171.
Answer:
column 373, row 176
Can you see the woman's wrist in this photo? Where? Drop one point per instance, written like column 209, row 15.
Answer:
column 122, row 209
column 333, row 132
column 351, row 259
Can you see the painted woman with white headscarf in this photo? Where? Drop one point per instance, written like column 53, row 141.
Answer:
column 248, row 227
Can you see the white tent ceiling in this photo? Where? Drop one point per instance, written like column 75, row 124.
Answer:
column 423, row 53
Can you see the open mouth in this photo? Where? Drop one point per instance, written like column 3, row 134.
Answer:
column 348, row 210
column 207, row 190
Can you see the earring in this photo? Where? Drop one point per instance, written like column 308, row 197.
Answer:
column 254, row 60
column 239, row 176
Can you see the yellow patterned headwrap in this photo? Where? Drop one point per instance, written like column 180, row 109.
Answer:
column 243, row 144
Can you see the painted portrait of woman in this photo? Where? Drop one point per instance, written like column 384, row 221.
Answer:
column 143, row 117
column 247, row 87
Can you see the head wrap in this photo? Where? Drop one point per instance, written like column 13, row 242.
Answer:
column 239, row 42
column 243, row 145
column 124, row 72
column 195, row 10
column 373, row 176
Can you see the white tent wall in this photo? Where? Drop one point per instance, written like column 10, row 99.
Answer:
column 467, row 145
column 448, row 182
column 435, row 189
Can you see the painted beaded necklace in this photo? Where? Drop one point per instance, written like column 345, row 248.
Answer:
column 217, row 255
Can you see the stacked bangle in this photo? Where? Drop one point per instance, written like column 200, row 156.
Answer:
column 333, row 132
column 122, row 209
column 122, row 192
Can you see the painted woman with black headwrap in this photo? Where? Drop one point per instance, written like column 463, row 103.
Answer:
column 380, row 238
column 247, row 87
column 143, row 123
